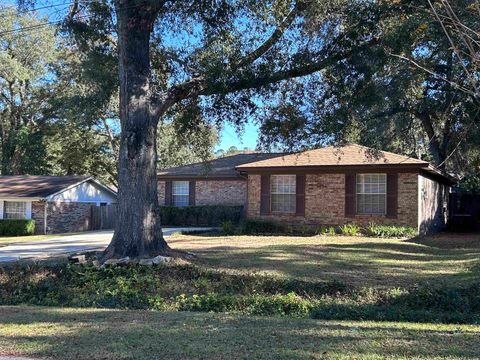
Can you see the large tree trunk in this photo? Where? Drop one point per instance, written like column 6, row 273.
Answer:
column 138, row 231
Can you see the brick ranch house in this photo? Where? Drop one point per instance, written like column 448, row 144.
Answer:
column 327, row 186
column 58, row 204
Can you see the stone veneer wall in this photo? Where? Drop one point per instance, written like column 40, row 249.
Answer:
column 325, row 202
column 433, row 205
column 38, row 214
column 214, row 192
column 64, row 217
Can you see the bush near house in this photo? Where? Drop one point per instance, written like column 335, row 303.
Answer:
column 204, row 215
column 390, row 231
column 250, row 226
column 16, row 227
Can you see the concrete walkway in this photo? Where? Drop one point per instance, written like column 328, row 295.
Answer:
column 66, row 244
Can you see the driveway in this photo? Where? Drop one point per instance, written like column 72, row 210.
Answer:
column 66, row 244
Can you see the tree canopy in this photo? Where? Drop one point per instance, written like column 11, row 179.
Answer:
column 310, row 72
column 408, row 93
column 59, row 106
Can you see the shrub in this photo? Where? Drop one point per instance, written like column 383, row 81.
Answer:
column 249, row 226
column 204, row 215
column 15, row 227
column 227, row 227
column 306, row 230
column 350, row 229
column 326, row 230
column 390, row 231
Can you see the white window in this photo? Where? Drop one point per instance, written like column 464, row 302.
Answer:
column 371, row 194
column 180, row 193
column 283, row 193
column 14, row 210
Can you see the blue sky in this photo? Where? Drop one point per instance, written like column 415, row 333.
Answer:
column 247, row 138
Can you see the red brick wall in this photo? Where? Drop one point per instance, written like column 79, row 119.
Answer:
column 433, row 202
column 64, row 217
column 214, row 192
column 325, row 202
column 38, row 214
column 225, row 192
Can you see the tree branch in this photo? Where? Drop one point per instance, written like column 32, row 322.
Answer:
column 434, row 74
column 263, row 80
column 273, row 39
column 203, row 86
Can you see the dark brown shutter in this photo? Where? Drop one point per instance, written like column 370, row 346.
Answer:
column 300, row 193
column 265, row 195
column 168, row 193
column 350, row 195
column 191, row 193
column 392, row 195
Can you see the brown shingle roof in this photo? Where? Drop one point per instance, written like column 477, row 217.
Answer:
column 35, row 186
column 348, row 155
column 222, row 167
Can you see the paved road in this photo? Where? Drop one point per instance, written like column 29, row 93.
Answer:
column 65, row 244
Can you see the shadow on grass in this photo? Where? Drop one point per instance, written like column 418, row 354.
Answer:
column 373, row 264
column 87, row 334
column 449, row 240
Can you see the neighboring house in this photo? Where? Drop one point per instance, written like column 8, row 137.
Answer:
column 215, row 182
column 58, row 204
column 328, row 186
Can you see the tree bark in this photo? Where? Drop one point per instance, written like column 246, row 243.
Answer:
column 138, row 230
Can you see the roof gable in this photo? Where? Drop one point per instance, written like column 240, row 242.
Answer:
column 37, row 186
column 222, row 167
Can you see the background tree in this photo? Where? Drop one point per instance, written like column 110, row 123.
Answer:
column 50, row 116
column 408, row 93
column 232, row 150
column 25, row 89
column 177, row 147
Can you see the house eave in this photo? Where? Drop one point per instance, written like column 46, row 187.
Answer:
column 199, row 177
column 21, row 198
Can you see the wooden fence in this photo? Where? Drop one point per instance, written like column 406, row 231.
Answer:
column 103, row 217
column 464, row 212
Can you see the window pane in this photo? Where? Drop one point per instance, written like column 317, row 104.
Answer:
column 14, row 210
column 283, row 203
column 180, row 193
column 180, row 200
column 180, row 187
column 371, row 193
column 283, row 197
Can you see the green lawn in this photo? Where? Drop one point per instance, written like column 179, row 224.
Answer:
column 383, row 264
column 360, row 261
column 109, row 334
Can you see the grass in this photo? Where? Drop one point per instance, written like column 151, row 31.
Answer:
column 108, row 334
column 360, row 261
column 382, row 265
